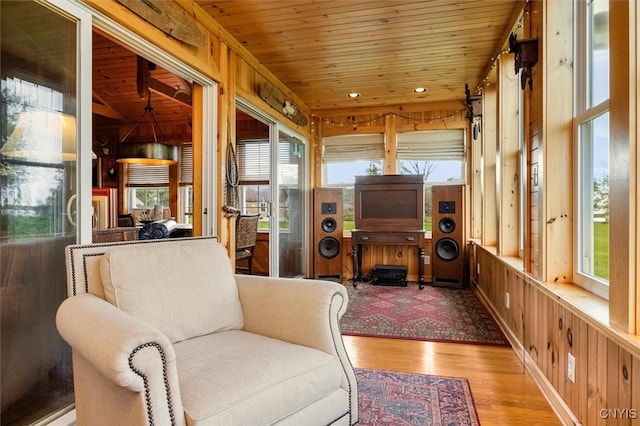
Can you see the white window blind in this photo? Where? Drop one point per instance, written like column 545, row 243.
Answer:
column 352, row 148
column 142, row 175
column 253, row 158
column 431, row 145
column 186, row 164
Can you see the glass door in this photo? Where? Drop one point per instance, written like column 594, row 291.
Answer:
column 271, row 181
column 39, row 177
column 291, row 206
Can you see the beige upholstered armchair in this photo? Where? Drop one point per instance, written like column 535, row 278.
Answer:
column 163, row 333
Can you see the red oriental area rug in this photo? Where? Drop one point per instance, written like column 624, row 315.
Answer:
column 433, row 314
column 390, row 398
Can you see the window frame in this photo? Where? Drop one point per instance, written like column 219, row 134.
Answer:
column 584, row 114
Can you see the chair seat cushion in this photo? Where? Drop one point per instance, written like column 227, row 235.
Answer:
column 184, row 289
column 240, row 378
column 243, row 254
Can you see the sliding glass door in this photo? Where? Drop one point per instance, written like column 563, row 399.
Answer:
column 291, row 223
column 39, row 201
column 271, row 181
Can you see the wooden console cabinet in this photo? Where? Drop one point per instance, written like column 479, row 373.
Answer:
column 389, row 210
column 358, row 238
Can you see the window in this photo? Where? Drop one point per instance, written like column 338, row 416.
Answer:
column 346, row 157
column 592, row 142
column 147, row 187
column 185, row 200
column 438, row 155
column 38, row 137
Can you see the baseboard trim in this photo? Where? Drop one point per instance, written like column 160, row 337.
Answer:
column 564, row 413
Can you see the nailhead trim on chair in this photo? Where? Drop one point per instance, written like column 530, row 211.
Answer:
column 335, row 346
column 114, row 244
column 147, row 396
column 84, row 267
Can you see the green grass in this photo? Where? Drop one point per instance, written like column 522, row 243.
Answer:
column 601, row 249
column 263, row 225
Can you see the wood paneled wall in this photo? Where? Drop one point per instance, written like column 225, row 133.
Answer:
column 386, row 255
column 624, row 153
column 545, row 327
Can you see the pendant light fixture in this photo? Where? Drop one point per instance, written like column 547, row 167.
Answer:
column 156, row 153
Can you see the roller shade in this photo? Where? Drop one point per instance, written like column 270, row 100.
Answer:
column 186, row 164
column 253, row 161
column 142, row 175
column 431, row 145
column 352, row 148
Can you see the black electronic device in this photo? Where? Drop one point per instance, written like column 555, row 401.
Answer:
column 329, row 208
column 393, row 275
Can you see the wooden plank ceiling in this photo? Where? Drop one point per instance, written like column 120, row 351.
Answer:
column 382, row 49
column 322, row 50
column 119, row 101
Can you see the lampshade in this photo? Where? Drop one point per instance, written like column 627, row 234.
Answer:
column 152, row 153
column 42, row 136
column 147, row 153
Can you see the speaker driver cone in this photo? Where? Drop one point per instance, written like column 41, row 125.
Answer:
column 329, row 247
column 447, row 249
column 447, row 225
column 329, row 224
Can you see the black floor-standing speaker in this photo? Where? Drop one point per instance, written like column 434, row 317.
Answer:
column 327, row 233
column 448, row 233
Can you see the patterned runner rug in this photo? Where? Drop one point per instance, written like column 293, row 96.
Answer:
column 432, row 314
column 390, row 398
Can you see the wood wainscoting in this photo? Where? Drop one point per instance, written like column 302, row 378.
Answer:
column 548, row 322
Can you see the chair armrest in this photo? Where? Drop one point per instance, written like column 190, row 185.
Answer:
column 119, row 346
column 305, row 312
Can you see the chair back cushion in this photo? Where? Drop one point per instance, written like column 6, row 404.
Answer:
column 185, row 289
column 246, row 231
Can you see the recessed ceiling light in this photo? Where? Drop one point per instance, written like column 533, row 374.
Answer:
column 420, row 89
column 353, row 95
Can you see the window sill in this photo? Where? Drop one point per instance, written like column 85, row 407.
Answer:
column 587, row 306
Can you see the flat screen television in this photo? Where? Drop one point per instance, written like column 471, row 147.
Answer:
column 389, row 203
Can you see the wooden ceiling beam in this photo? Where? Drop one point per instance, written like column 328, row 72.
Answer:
column 102, row 108
column 179, row 95
column 146, row 83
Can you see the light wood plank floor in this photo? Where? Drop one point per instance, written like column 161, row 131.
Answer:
column 504, row 394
